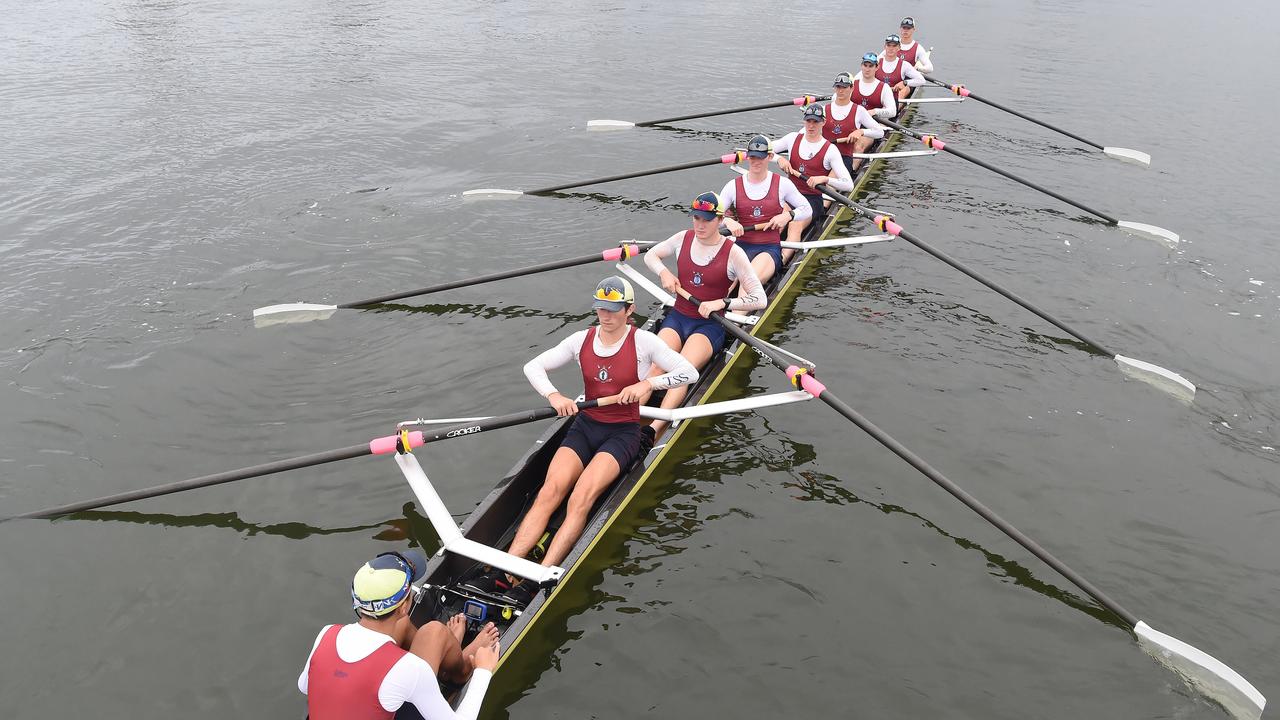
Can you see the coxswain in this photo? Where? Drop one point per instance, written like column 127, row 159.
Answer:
column 870, row 92
column 372, row 667
column 707, row 266
column 763, row 198
column 912, row 51
column 849, row 125
column 601, row 442
column 898, row 74
column 810, row 154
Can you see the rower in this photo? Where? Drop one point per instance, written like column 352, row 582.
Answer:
column 707, row 266
column 912, row 51
column 767, row 199
column 811, row 154
column 601, row 442
column 372, row 667
column 897, row 74
column 870, row 92
column 849, row 125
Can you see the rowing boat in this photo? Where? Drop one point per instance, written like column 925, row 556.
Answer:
column 494, row 521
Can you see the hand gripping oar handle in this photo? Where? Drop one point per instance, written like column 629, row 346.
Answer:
column 624, row 251
column 377, row 446
column 962, row 91
column 800, row 101
column 936, row 143
column 726, row 159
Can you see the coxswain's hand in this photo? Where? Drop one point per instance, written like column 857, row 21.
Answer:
column 779, row 221
column 819, row 180
column 785, row 165
column 486, row 657
column 734, row 226
column 563, row 405
column 638, row 393
column 705, row 309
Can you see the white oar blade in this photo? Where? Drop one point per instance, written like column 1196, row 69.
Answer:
column 609, row 124
column 836, row 242
column 482, row 193
column 895, row 154
column 1152, row 374
column 1151, row 231
column 1203, row 672
column 291, row 313
column 1137, row 157
column 728, row 406
column 931, row 100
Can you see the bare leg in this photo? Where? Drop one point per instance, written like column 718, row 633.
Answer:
column 697, row 350
column 436, row 643
column 563, row 472
column 763, row 265
column 861, row 146
column 598, row 475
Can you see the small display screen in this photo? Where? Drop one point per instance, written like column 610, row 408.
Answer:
column 474, row 610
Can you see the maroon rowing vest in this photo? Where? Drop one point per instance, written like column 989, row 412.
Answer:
column 872, row 101
column 605, row 376
column 339, row 690
column 705, row 282
column 909, row 56
column 889, row 78
column 834, row 129
column 753, row 212
column 811, row 167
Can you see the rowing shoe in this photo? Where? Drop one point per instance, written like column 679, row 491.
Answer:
column 1202, row 672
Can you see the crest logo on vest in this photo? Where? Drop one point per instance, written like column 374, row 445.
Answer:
column 836, row 129
column 757, row 212
column 602, row 373
column 697, row 278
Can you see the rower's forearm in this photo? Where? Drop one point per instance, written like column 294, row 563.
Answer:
column 654, row 263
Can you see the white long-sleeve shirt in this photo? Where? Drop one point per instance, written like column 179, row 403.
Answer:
column 750, row 290
column 650, row 350
column 839, row 174
column 861, row 119
column 411, row 679
column 910, row 75
column 787, row 193
column 923, row 62
column 888, row 105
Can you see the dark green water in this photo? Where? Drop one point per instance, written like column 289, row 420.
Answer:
column 169, row 166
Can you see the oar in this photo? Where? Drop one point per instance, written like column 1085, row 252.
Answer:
column 306, row 312
column 621, row 124
column 816, row 244
column 1136, row 157
column 1149, row 373
column 1136, row 228
column 1202, row 672
column 377, row 446
column 727, row 159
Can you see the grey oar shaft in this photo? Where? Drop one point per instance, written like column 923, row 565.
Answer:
column 1007, row 293
column 842, row 199
column 627, row 176
column 504, row 275
column 782, row 363
column 1011, row 111
column 1000, row 171
column 731, row 111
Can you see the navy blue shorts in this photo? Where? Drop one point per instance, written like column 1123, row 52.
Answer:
column 686, row 326
column 819, row 210
column 586, row 437
column 848, row 164
column 773, row 251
